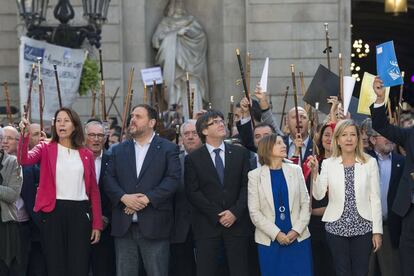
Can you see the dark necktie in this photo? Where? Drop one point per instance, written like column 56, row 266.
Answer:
column 219, row 165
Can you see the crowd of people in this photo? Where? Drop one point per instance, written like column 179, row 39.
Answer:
column 334, row 198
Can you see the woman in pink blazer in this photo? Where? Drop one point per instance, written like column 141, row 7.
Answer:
column 67, row 197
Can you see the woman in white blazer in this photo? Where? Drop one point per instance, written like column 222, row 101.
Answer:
column 353, row 215
column 279, row 207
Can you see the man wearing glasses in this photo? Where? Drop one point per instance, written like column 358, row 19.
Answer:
column 103, row 253
column 216, row 186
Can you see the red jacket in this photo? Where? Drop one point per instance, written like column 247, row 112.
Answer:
column 46, row 154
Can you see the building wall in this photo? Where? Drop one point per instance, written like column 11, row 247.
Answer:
column 293, row 32
column 287, row 31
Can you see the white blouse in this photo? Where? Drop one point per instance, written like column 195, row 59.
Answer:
column 70, row 183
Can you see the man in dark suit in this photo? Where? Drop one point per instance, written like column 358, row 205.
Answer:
column 182, row 241
column 404, row 198
column 390, row 166
column 260, row 130
column 103, row 252
column 140, row 181
column 36, row 260
column 216, row 186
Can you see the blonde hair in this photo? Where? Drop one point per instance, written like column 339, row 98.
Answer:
column 339, row 129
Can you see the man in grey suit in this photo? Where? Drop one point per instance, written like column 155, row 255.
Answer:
column 182, row 242
column 142, row 176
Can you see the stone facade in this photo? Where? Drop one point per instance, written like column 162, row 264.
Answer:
column 287, row 31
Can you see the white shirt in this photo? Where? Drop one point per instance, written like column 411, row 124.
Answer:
column 98, row 165
column 211, row 149
column 140, row 153
column 70, row 183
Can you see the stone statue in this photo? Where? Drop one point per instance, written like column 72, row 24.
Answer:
column 181, row 45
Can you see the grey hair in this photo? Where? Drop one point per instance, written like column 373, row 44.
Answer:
column 94, row 123
column 185, row 124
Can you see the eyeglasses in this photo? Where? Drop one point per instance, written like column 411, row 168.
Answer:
column 98, row 136
column 9, row 138
column 190, row 133
column 216, row 122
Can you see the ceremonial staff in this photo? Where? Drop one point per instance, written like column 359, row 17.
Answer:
column 328, row 49
column 145, row 94
column 103, row 105
column 127, row 101
column 302, row 88
column 27, row 107
column 58, row 86
column 341, row 82
column 246, row 89
column 230, row 116
column 400, row 99
column 8, row 110
column 112, row 104
column 248, row 57
column 177, row 133
column 295, row 97
column 93, row 102
column 284, row 108
column 155, row 100
column 39, row 76
column 315, row 151
column 190, row 110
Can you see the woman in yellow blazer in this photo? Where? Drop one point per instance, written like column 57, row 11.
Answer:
column 278, row 204
column 353, row 215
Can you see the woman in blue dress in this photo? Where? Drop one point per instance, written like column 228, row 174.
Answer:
column 279, row 208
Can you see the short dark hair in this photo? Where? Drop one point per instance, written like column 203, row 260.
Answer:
column 152, row 113
column 77, row 137
column 202, row 122
column 264, row 125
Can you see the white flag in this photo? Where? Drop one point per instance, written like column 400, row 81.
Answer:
column 349, row 84
column 265, row 74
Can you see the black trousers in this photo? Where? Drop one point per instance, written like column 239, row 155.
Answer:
column 321, row 255
column 182, row 262
column 103, row 255
column 407, row 243
column 66, row 233
column 37, row 262
column 350, row 254
column 236, row 253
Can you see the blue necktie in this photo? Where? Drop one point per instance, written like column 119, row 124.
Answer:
column 219, row 165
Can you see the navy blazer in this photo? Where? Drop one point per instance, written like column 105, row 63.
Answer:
column 182, row 210
column 393, row 220
column 158, row 179
column 405, row 138
column 308, row 147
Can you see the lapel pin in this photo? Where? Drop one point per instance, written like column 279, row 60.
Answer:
column 158, row 147
column 398, row 165
column 229, row 151
column 310, row 149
